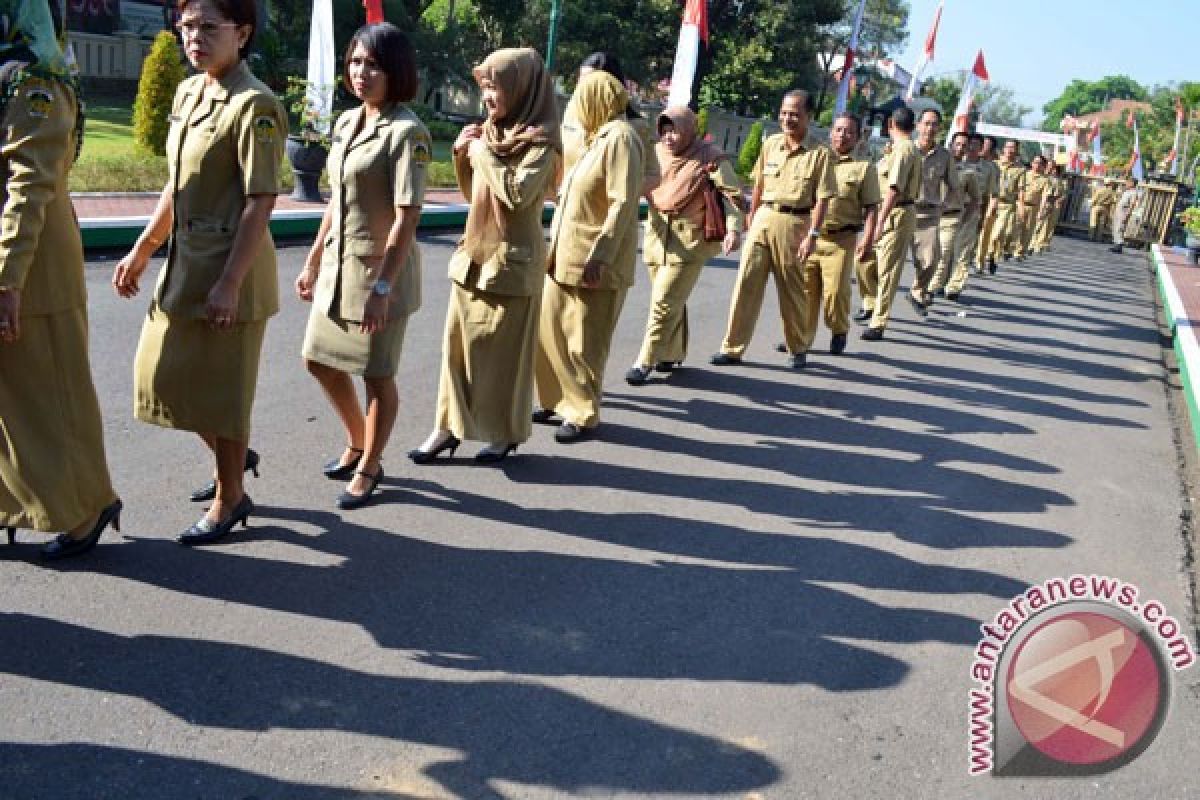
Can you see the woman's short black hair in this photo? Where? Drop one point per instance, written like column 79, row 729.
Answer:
column 605, row 62
column 394, row 53
column 239, row 12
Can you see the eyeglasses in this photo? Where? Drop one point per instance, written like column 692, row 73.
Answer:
column 201, row 30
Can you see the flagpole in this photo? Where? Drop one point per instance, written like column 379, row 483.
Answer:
column 552, row 41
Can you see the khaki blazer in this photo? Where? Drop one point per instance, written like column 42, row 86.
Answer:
column 519, row 185
column 798, row 177
column 374, row 166
column 223, row 145
column 678, row 240
column 597, row 214
column 939, row 178
column 40, row 250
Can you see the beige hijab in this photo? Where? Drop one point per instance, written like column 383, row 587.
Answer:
column 532, row 121
column 599, row 99
column 684, row 168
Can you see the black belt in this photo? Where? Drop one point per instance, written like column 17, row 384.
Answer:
column 952, row 212
column 928, row 206
column 843, row 229
column 793, row 210
column 905, row 203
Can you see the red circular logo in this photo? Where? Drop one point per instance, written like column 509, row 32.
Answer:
column 1084, row 688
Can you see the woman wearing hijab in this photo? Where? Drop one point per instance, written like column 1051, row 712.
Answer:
column 53, row 472
column 504, row 166
column 674, row 248
column 197, row 360
column 593, row 248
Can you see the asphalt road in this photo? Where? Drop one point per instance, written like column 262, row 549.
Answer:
column 756, row 583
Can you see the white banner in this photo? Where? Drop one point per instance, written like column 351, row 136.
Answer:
column 684, row 73
column 1022, row 134
column 322, row 64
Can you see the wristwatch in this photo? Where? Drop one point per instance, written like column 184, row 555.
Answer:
column 381, row 288
column 814, row 233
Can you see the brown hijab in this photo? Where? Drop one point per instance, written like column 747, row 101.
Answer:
column 684, row 168
column 532, row 121
column 599, row 99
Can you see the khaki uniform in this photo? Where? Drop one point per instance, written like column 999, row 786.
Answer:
column 1055, row 190
column 53, row 472
column 573, row 142
column 1103, row 202
column 990, row 181
column 1006, row 228
column 960, row 213
column 486, row 387
column 828, row 270
column 225, row 144
column 1125, row 204
column 792, row 183
column 675, row 252
column 596, row 220
column 374, row 166
column 901, row 170
column 938, row 180
column 1030, row 210
column 967, row 236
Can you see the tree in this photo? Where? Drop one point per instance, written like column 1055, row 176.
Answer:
column 748, row 156
column 994, row 104
column 1085, row 97
column 884, row 30
column 161, row 74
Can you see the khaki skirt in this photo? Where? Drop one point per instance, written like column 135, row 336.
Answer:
column 341, row 345
column 192, row 378
column 53, row 473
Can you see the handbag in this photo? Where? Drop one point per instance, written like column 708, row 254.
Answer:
column 714, row 211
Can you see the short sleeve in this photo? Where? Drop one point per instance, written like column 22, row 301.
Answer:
column 757, row 173
column 868, row 188
column 904, row 161
column 413, row 152
column 826, row 177
column 261, row 132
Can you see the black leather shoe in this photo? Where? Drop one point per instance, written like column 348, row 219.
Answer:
column 570, row 432
column 349, row 500
column 667, row 366
column 205, row 532
column 797, row 360
column 64, row 546
column 209, row 490
column 1008, row 256
column 724, row 360
column 992, row 266
column 636, row 376
column 12, row 535
column 781, row 347
column 940, row 293
column 916, row 305
column 420, row 456
column 873, row 334
column 1116, row 249
column 336, row 470
column 837, row 344
column 952, row 297
column 544, row 416
column 863, row 314
column 490, row 455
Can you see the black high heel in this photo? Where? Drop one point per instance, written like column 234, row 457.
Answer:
column 495, row 456
column 64, row 546
column 12, row 535
column 336, row 470
column 205, row 532
column 420, row 456
column 209, row 490
column 349, row 500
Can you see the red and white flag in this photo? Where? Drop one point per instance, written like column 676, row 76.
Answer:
column 1097, row 150
column 1173, row 157
column 962, row 114
column 374, row 11
column 843, row 95
column 322, row 66
column 927, row 55
column 693, row 30
column 1135, row 162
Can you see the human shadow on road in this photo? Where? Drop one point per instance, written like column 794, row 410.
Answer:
column 504, row 729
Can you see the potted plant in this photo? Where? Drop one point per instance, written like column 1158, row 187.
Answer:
column 1191, row 226
column 308, row 147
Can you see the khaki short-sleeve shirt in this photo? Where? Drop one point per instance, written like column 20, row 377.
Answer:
column 225, row 143
column 1012, row 182
column 939, row 180
column 902, row 170
column 798, row 177
column 858, row 190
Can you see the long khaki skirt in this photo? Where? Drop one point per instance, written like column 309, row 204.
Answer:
column 341, row 345
column 53, row 472
column 486, row 387
column 192, row 378
column 574, row 337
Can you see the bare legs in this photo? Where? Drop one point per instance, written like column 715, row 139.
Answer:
column 367, row 432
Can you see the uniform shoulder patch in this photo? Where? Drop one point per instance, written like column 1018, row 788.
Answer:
column 41, row 100
column 422, row 148
column 264, row 129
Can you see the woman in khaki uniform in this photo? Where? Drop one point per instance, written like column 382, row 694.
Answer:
column 53, row 473
column 674, row 248
column 504, row 166
column 363, row 272
column 593, row 248
column 197, row 359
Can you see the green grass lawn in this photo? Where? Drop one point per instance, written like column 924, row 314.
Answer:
column 111, row 162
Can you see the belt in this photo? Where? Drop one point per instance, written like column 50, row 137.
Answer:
column 928, row 206
column 954, row 212
column 796, row 211
column 905, row 203
column 1030, row 205
column 843, row 229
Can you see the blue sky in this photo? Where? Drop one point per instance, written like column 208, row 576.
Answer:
column 1037, row 47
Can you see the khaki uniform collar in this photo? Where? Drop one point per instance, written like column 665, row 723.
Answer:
column 231, row 81
column 807, row 143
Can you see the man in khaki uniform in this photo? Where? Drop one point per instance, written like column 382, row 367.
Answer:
column 901, row 177
column 1012, row 185
column 991, row 186
column 961, row 210
column 968, row 233
column 938, row 179
column 1033, row 205
column 793, row 184
column 1051, row 208
column 854, row 210
column 1126, row 203
column 1104, row 199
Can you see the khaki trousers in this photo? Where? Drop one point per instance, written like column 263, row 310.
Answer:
column 1118, row 228
column 1029, row 221
column 983, row 243
column 486, row 387
column 1098, row 223
column 890, row 251
column 574, row 336
column 926, row 251
column 964, row 247
column 948, row 229
column 1046, row 229
column 666, row 336
column 827, row 282
column 1003, row 231
column 867, row 273
column 770, row 251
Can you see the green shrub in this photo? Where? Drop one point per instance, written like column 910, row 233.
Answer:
column 118, row 173
column 441, row 130
column 748, row 156
column 441, row 174
column 702, row 122
column 161, row 74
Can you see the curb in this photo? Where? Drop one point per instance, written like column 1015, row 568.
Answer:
column 1183, row 334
